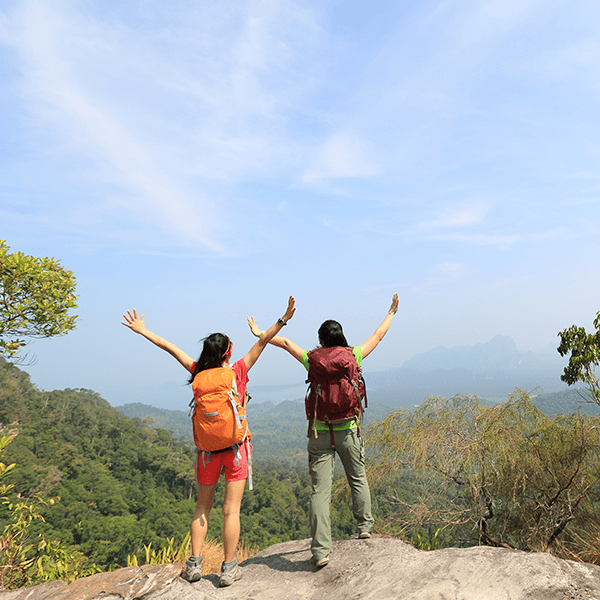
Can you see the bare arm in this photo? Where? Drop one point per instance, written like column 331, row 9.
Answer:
column 370, row 345
column 137, row 325
column 279, row 341
column 268, row 335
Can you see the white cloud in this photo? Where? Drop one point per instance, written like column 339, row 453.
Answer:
column 456, row 217
column 343, row 155
column 407, row 104
column 51, row 42
column 171, row 117
column 444, row 274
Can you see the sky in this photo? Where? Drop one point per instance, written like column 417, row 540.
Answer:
column 201, row 161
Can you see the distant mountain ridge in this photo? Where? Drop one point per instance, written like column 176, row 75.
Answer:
column 499, row 354
column 491, row 370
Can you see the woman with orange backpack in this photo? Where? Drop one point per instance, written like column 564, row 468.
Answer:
column 334, row 409
column 220, row 432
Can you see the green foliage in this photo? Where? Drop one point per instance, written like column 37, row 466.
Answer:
column 123, row 485
column 27, row 557
column 128, row 490
column 585, row 356
column 277, row 509
column 169, row 551
column 36, row 295
column 510, row 474
column 427, row 540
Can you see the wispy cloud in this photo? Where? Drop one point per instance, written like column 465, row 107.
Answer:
column 172, row 116
column 448, row 218
column 444, row 274
column 51, row 42
column 410, row 99
column 343, row 155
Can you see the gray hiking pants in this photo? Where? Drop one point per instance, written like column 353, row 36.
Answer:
column 321, row 459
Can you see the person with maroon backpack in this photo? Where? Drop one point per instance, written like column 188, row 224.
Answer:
column 334, row 409
column 220, row 432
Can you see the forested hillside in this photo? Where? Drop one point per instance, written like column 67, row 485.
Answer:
column 123, row 484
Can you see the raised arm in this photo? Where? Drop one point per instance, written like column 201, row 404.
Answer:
column 370, row 345
column 269, row 334
column 279, row 341
column 137, row 325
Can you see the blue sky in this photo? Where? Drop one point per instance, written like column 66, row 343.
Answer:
column 201, row 161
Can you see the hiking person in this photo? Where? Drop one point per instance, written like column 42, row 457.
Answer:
column 214, row 379
column 335, row 377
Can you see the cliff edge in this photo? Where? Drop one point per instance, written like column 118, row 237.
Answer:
column 375, row 569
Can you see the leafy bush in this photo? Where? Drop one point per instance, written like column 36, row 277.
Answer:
column 26, row 557
column 506, row 475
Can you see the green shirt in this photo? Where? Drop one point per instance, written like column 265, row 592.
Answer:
column 357, row 351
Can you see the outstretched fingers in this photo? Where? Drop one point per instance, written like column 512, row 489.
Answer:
column 132, row 320
column 291, row 308
column 253, row 327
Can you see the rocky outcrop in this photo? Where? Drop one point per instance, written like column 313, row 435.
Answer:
column 130, row 583
column 375, row 569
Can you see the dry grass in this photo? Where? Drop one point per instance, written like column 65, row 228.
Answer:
column 171, row 552
column 583, row 546
column 212, row 555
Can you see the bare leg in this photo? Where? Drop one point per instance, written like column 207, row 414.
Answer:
column 199, row 527
column 234, row 490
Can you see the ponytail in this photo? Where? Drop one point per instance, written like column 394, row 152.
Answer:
column 215, row 348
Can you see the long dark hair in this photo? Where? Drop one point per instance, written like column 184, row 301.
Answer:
column 331, row 334
column 215, row 348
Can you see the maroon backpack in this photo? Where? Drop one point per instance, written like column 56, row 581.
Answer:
column 336, row 387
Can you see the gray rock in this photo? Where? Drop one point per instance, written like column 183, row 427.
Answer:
column 123, row 584
column 375, row 569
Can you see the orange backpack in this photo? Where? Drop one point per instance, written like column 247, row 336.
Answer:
column 219, row 415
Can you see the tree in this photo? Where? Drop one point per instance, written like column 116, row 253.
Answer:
column 585, row 356
column 509, row 474
column 28, row 557
column 36, row 295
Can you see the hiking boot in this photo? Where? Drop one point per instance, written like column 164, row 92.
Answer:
column 230, row 572
column 365, row 535
column 322, row 562
column 193, row 569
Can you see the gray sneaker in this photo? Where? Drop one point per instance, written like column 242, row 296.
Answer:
column 230, row 572
column 193, row 569
column 365, row 535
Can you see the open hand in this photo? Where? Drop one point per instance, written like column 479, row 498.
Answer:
column 291, row 309
column 394, row 307
column 134, row 322
column 253, row 327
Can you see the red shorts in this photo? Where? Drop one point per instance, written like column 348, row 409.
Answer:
column 210, row 466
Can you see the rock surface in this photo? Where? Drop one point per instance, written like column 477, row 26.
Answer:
column 375, row 569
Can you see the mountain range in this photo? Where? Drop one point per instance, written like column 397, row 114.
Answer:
column 491, row 370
